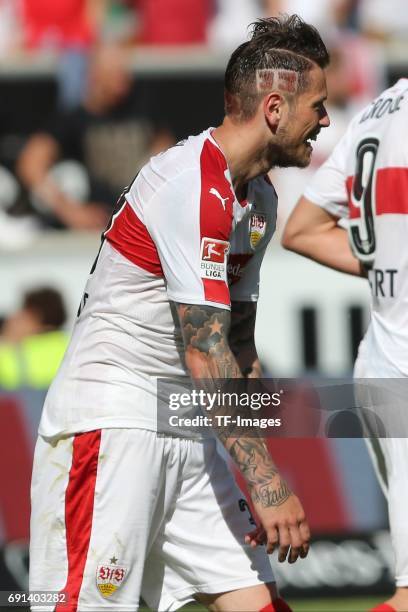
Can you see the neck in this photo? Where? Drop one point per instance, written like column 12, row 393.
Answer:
column 243, row 151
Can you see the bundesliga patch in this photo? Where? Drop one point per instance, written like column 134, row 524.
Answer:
column 257, row 228
column 213, row 264
column 110, row 577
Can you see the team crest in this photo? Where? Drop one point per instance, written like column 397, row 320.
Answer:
column 110, row 577
column 257, row 228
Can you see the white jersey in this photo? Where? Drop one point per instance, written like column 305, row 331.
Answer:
column 366, row 180
column 179, row 235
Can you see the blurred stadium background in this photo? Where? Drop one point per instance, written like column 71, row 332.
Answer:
column 89, row 90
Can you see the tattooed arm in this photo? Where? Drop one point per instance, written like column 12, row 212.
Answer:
column 242, row 338
column 208, row 356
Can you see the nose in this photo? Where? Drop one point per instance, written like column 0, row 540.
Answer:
column 324, row 119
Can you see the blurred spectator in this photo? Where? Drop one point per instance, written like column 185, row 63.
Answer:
column 31, row 341
column 109, row 134
column 383, row 20
column 229, row 28
column 16, row 230
column 69, row 27
column 365, row 62
column 173, row 22
column 61, row 24
column 233, row 17
column 120, row 21
column 10, row 27
column 325, row 15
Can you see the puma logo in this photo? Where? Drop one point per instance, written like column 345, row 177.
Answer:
column 217, row 194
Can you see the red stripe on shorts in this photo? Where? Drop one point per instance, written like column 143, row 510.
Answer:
column 79, row 504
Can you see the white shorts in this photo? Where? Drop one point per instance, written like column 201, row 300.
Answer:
column 386, row 399
column 119, row 514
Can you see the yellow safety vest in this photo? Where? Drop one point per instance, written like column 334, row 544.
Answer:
column 32, row 363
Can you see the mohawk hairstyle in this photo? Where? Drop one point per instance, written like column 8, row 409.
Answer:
column 276, row 43
column 293, row 34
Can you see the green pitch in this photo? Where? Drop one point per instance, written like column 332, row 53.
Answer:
column 346, row 604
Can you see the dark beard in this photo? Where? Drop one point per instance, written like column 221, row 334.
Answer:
column 279, row 155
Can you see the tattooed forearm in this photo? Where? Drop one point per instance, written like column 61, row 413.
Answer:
column 264, row 482
column 208, row 356
column 271, row 494
column 205, row 332
column 253, row 459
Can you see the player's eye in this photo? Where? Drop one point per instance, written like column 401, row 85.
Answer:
column 320, row 109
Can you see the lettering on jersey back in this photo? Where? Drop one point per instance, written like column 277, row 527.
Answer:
column 383, row 106
column 362, row 202
column 382, row 282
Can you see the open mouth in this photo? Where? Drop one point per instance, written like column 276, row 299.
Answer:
column 310, row 138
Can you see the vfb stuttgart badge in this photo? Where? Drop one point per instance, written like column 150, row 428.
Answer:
column 257, row 228
column 110, row 577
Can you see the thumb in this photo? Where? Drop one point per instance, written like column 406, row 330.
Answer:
column 256, row 537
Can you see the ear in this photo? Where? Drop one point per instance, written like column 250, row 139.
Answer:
column 273, row 105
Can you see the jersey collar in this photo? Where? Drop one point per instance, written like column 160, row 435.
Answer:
column 243, row 203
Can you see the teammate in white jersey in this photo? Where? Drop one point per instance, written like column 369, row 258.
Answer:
column 118, row 511
column 365, row 181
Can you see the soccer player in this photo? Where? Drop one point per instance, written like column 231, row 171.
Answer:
column 365, row 180
column 119, row 511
